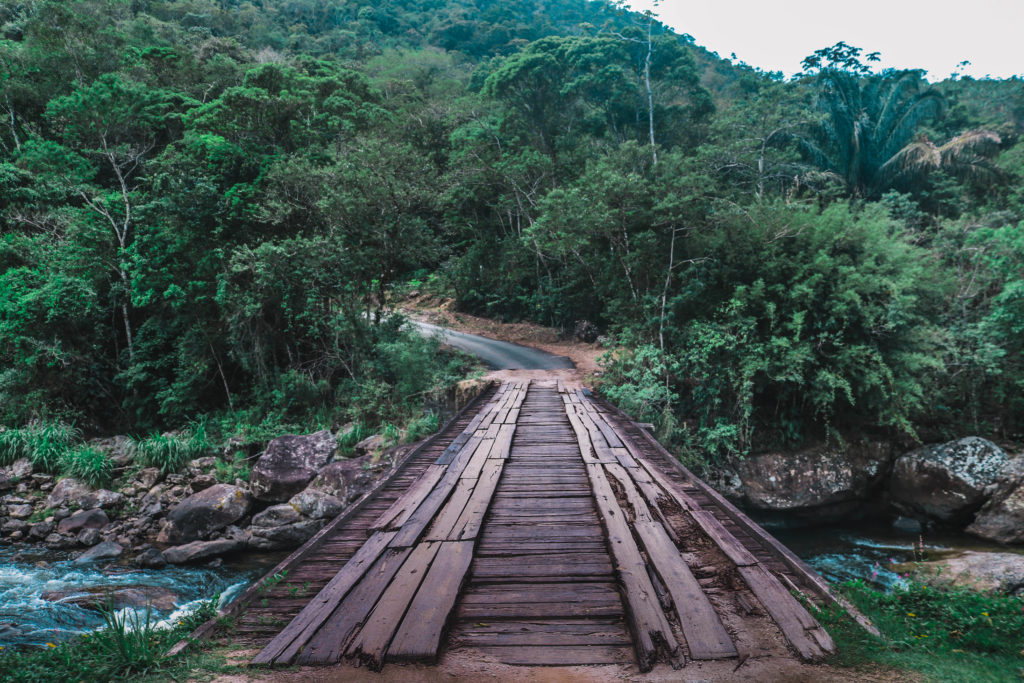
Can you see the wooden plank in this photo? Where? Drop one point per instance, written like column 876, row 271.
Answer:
column 330, row 640
column 419, row 636
column 373, row 638
column 444, row 522
column 399, row 511
column 728, row 543
column 558, row 656
column 472, row 470
column 651, row 630
column 503, row 442
column 294, row 636
column 705, row 635
column 472, row 518
column 793, row 620
column 641, row 513
column 624, row 458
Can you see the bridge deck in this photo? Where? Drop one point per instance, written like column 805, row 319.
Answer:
column 543, row 527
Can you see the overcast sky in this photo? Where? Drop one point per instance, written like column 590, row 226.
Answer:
column 935, row 35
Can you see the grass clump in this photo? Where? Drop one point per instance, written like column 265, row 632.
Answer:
column 43, row 443
column 227, row 471
column 944, row 634
column 171, row 452
column 89, row 465
column 130, row 647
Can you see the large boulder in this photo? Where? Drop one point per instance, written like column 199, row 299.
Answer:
column 281, row 527
column 197, row 551
column 107, row 550
column 828, row 481
column 104, row 597
column 1002, row 517
column 981, row 571
column 346, row 480
column 83, row 519
column 203, row 513
column 947, row 482
column 120, row 449
column 289, row 463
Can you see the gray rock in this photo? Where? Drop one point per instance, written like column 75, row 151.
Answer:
column 120, row 449
column 289, row 463
column 201, row 550
column 107, row 550
column 824, row 482
column 57, row 541
column 202, row 482
column 72, row 492
column 21, row 468
column 83, row 519
column 1002, row 518
column 98, row 598
column 947, row 482
column 346, row 480
column 149, row 477
column 316, row 504
column 980, row 571
column 280, row 527
column 15, row 526
column 151, row 558
column 201, row 514
column 41, row 529
column 23, row 511
column 371, row 445
column 6, row 481
column 89, row 537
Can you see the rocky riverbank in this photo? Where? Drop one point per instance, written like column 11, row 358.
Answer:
column 150, row 518
column 969, row 484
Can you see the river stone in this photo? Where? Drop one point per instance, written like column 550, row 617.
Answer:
column 371, row 445
column 151, row 558
column 83, row 519
column 316, row 504
column 70, row 491
column 120, row 449
column 104, row 597
column 41, row 529
column 21, row 468
column 202, row 482
column 202, row 513
column 89, row 537
column 947, row 482
column 346, row 480
column 201, row 550
column 149, row 477
column 289, row 463
column 981, row 571
column 1002, row 518
column 6, row 481
column 15, row 526
column 826, row 482
column 281, row 527
column 57, row 541
column 23, row 511
column 103, row 551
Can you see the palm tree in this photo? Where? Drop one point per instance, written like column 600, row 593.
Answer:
column 868, row 138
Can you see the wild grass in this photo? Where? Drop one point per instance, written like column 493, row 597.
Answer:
column 172, row 452
column 89, row 465
column 43, row 443
column 943, row 634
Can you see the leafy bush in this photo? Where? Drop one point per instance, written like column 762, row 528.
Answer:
column 171, row 452
column 89, row 465
column 423, row 426
column 237, row 468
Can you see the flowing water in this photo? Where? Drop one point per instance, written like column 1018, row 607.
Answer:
column 27, row 574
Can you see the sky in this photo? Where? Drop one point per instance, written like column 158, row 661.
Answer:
column 775, row 35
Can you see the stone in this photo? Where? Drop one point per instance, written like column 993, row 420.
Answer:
column 21, row 468
column 15, row 526
column 824, row 482
column 346, row 480
column 6, row 481
column 980, row 571
column 83, row 519
column 105, row 597
column 41, row 529
column 316, row 504
column 203, row 513
column 289, row 463
column 201, row 550
column 371, row 445
column 70, row 491
column 89, row 537
column 57, row 541
column 202, row 481
column 151, row 558
column 120, row 449
column 281, row 527
column 1002, row 518
column 150, row 477
column 947, row 482
column 23, row 511
column 107, row 550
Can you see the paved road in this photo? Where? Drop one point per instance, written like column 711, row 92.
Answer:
column 497, row 355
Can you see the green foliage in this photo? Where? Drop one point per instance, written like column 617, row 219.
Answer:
column 44, row 444
column 172, row 452
column 227, row 472
column 89, row 465
column 128, row 648
column 954, row 634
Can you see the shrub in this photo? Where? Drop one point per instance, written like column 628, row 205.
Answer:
column 89, row 465
column 43, row 443
column 171, row 452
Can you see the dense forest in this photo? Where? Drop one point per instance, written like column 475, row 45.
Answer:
column 208, row 208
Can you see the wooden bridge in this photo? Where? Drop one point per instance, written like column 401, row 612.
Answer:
column 541, row 526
